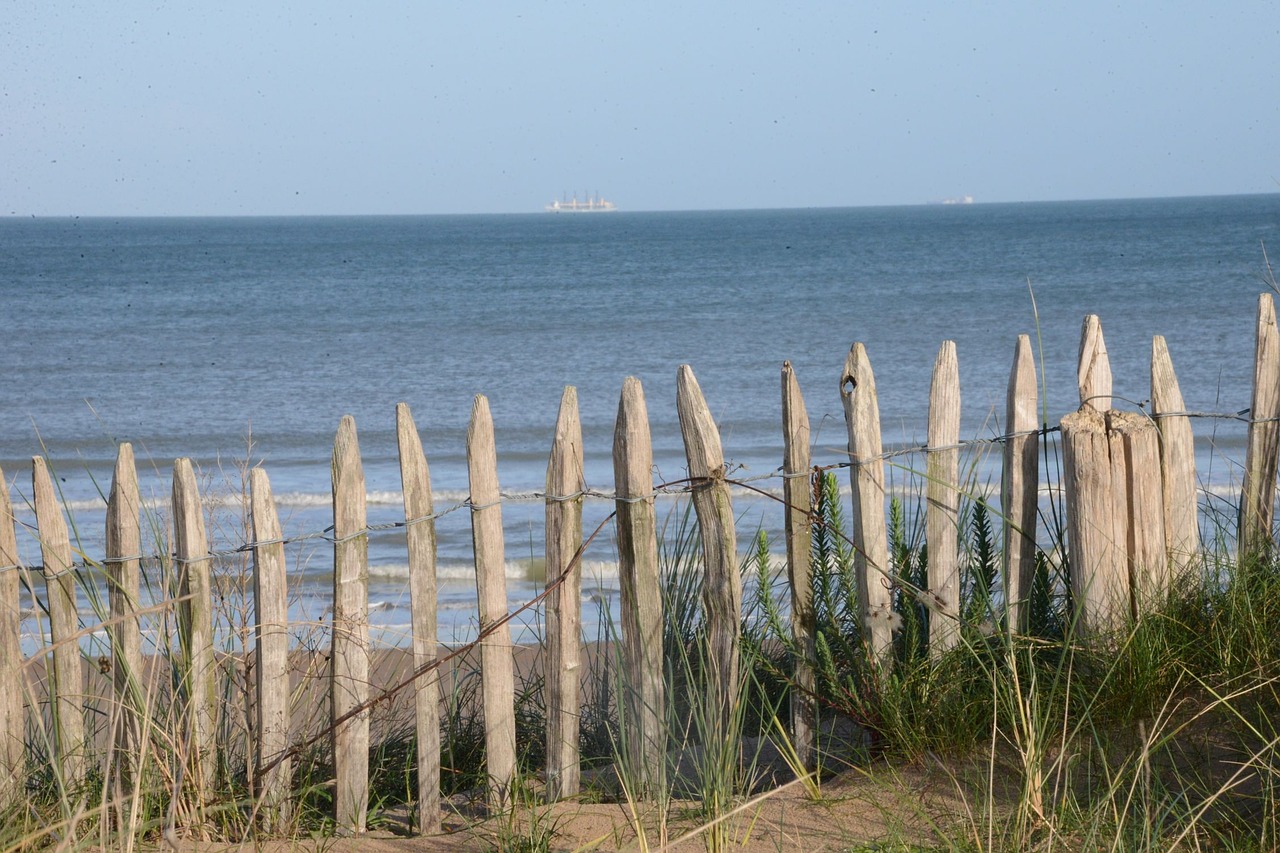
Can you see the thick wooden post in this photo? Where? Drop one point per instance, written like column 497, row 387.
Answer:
column 942, row 510
column 1177, row 463
column 12, row 686
column 497, row 677
column 66, row 680
column 1095, row 529
column 1020, row 483
column 272, row 766
column 123, row 559
column 798, row 495
column 350, row 673
column 564, row 606
column 195, row 625
column 640, row 578
column 722, row 584
column 866, row 476
column 1115, row 515
column 420, row 530
column 1094, row 367
column 1258, row 494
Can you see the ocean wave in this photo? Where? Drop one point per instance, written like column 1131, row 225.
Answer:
column 528, row 570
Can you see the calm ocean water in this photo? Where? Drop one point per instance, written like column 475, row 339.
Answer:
column 195, row 337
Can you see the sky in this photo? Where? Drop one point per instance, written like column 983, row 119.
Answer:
column 318, row 107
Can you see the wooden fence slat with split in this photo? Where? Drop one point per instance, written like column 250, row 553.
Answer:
column 272, row 765
column 721, row 583
column 497, row 665
column 1115, row 515
column 866, row 477
column 942, row 507
column 12, row 682
column 797, row 493
column 350, row 644
column 195, row 620
column 66, row 701
column 1095, row 536
column 643, row 700
column 420, row 532
column 1020, row 484
column 564, row 606
column 122, row 562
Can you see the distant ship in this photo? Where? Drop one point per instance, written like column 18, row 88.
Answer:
column 964, row 199
column 592, row 204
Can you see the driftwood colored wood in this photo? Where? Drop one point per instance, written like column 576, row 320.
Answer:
column 642, row 679
column 420, row 531
column 60, row 584
column 722, row 584
column 1095, row 523
column 1020, row 483
column 12, row 682
column 272, row 766
column 195, row 615
column 350, row 651
column 123, row 559
column 942, row 508
column 797, row 491
column 1094, row 367
column 1115, row 515
column 1177, row 462
column 1139, row 462
column 497, row 678
column 1258, row 494
column 564, row 606
column 866, row 477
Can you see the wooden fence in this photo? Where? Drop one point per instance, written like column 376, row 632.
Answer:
column 1130, row 487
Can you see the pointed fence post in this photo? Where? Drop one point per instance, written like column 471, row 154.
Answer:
column 272, row 766
column 942, row 510
column 67, row 681
column 1094, row 367
column 1258, row 494
column 123, row 561
column 420, row 530
column 1019, row 490
column 643, row 702
column 798, row 497
column 12, row 686
column 722, row 583
column 866, row 476
column 565, row 485
column 350, row 649
column 1177, row 465
column 195, row 621
column 497, row 677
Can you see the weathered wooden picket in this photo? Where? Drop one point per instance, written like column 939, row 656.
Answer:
column 1130, row 488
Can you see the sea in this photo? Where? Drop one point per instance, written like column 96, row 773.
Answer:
column 242, row 342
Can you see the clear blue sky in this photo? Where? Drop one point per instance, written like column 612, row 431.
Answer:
column 449, row 107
